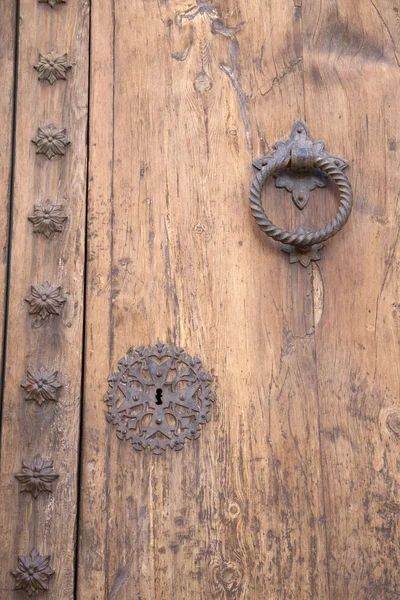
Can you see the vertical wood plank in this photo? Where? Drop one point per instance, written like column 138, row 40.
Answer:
column 352, row 80
column 51, row 430
column 180, row 107
column 7, row 65
column 93, row 543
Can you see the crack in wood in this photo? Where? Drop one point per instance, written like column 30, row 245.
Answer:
column 278, row 78
column 203, row 81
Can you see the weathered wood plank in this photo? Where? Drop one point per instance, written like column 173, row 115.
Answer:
column 352, row 80
column 47, row 523
column 181, row 106
column 7, row 64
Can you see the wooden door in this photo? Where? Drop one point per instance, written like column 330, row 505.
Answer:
column 291, row 491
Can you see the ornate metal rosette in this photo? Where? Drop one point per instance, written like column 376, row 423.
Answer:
column 159, row 397
column 301, row 154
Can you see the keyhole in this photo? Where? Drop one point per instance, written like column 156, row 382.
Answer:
column 158, row 396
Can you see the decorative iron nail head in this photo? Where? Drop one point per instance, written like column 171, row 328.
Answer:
column 41, row 385
column 52, row 67
column 37, row 477
column 51, row 141
column 47, row 218
column 45, row 300
column 159, row 397
column 33, row 573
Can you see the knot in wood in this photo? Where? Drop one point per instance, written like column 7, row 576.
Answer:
column 393, row 422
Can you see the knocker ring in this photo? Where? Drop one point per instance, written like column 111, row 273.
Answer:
column 303, row 161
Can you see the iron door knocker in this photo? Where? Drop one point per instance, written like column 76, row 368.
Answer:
column 300, row 165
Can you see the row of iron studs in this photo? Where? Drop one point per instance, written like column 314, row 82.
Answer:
column 33, row 571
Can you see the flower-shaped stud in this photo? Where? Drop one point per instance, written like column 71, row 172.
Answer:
column 32, row 573
column 303, row 255
column 37, row 477
column 51, row 141
column 52, row 66
column 45, row 300
column 48, row 218
column 41, row 385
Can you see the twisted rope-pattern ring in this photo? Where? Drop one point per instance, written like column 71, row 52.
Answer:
column 302, row 240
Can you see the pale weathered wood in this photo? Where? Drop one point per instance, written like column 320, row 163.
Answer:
column 7, row 58
column 291, row 492
column 47, row 523
column 352, row 80
column 177, row 115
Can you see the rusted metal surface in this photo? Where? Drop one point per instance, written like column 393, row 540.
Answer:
column 300, row 154
column 32, row 573
column 159, row 398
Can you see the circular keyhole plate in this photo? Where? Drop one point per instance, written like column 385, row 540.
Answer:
column 159, row 397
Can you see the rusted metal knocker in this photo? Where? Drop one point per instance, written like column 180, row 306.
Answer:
column 299, row 165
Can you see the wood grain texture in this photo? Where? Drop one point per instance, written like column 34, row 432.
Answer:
column 352, row 79
column 178, row 111
column 292, row 490
column 7, row 64
column 47, row 523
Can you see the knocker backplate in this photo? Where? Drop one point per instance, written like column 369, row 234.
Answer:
column 159, row 397
column 301, row 181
